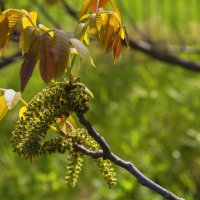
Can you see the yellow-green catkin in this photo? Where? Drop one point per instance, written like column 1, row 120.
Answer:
column 60, row 99
column 74, row 166
column 81, row 137
column 107, row 172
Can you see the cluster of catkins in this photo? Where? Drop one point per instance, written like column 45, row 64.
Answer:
column 29, row 138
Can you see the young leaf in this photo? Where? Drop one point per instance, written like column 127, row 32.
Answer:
column 26, row 37
column 80, row 31
column 103, row 3
column 61, row 49
column 14, row 18
column 30, row 61
column 11, row 97
column 72, row 122
column 9, row 19
column 117, row 48
column 47, row 60
column 84, row 8
column 125, row 36
column 116, row 10
column 82, row 50
column 93, row 5
column 96, row 4
column 26, row 22
column 4, row 31
column 3, row 107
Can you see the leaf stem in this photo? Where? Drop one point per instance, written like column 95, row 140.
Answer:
column 23, row 101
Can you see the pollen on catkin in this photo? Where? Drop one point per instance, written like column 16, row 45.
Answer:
column 81, row 137
column 74, row 166
column 57, row 100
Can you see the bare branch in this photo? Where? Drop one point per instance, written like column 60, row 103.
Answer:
column 87, row 152
column 164, row 56
column 2, row 5
column 6, row 61
column 46, row 14
column 107, row 154
column 69, row 9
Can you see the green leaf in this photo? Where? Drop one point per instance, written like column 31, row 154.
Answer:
column 80, row 31
column 82, row 50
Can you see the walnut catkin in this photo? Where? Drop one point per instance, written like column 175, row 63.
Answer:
column 55, row 101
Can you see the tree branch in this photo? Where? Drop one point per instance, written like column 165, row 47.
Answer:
column 2, row 5
column 69, row 9
column 87, row 152
column 46, row 14
column 107, row 154
column 164, row 56
column 6, row 61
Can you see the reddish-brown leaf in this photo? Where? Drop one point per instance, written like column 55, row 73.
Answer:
column 117, row 48
column 84, row 8
column 126, row 37
column 47, row 60
column 61, row 49
column 110, row 44
column 93, row 5
column 30, row 61
column 4, row 28
column 103, row 3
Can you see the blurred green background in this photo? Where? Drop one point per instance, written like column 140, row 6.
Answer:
column 148, row 111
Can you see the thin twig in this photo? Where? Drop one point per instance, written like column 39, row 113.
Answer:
column 2, row 5
column 69, row 9
column 87, row 152
column 107, row 154
column 46, row 14
column 6, row 61
column 150, row 50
